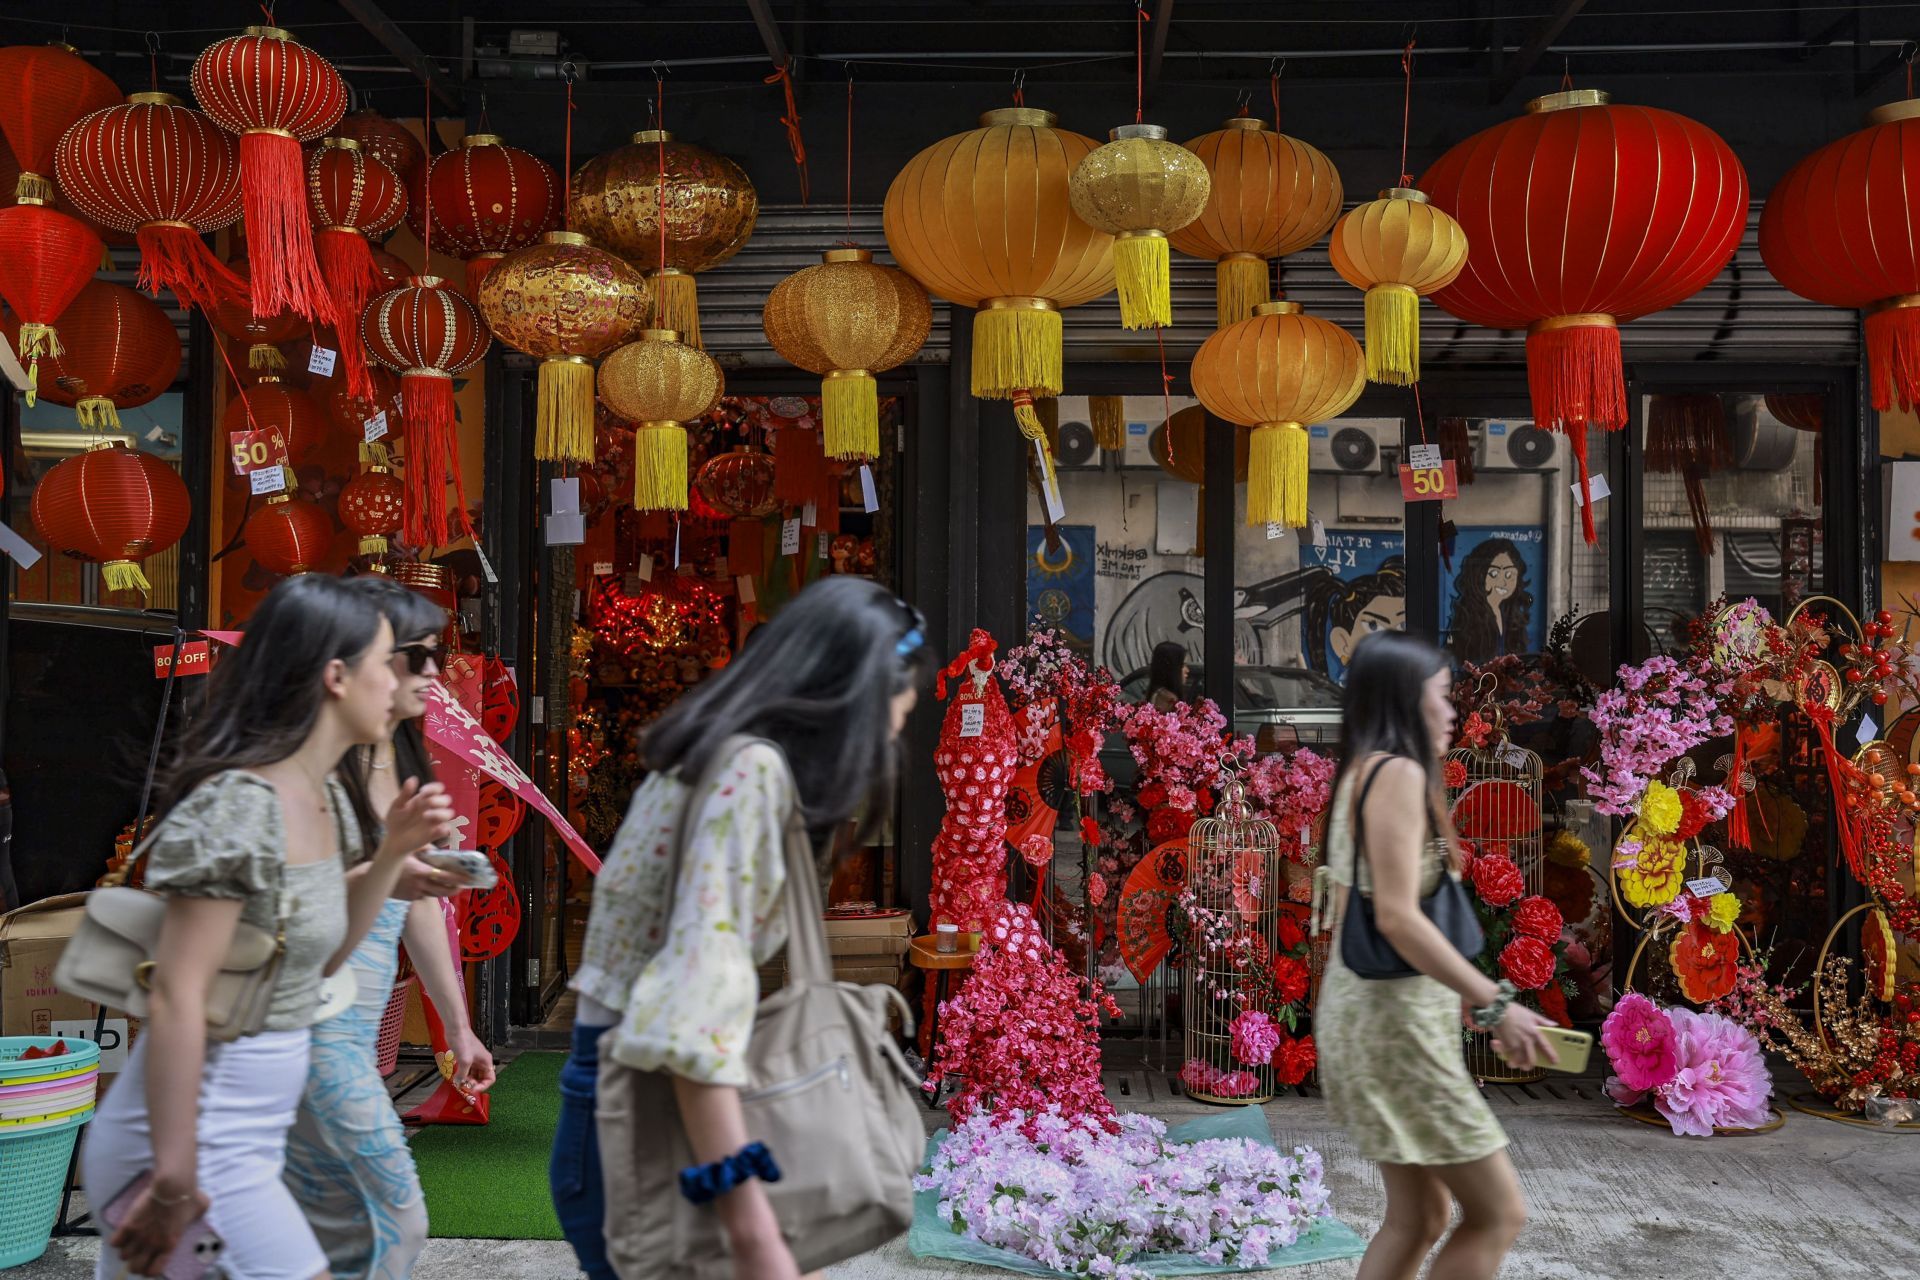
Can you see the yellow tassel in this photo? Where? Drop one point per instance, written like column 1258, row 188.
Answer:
column 373, row 545
column 106, row 257
column 1027, row 417
column 850, row 400
column 1109, row 421
column 679, row 303
column 1277, row 475
column 262, row 356
column 125, row 575
column 373, row 453
column 1241, row 282
column 1143, row 270
column 1017, row 348
column 37, row 340
column 660, row 467
column 563, row 410
column 31, row 186
column 1393, row 335
column 97, row 413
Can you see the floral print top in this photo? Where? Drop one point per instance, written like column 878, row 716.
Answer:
column 684, row 972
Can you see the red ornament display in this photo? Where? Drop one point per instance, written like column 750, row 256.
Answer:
column 354, row 197
column 390, row 143
column 271, row 403
column 371, row 506
column 290, row 534
column 233, row 317
column 349, row 412
column 975, row 769
column 427, row 331
column 46, row 258
column 121, row 351
column 276, row 94
column 46, row 88
column 1583, row 215
column 156, row 167
column 488, row 199
column 115, row 506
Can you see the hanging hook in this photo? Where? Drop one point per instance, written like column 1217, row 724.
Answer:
column 153, row 43
column 1245, row 101
column 1276, row 67
column 569, row 72
column 661, row 70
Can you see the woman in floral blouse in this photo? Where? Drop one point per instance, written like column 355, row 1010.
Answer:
column 826, row 689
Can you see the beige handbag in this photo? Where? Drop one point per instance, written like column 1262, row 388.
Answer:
column 831, row 1097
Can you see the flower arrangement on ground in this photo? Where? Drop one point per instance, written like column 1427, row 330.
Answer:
column 1525, row 942
column 1870, row 1048
column 1702, row 1070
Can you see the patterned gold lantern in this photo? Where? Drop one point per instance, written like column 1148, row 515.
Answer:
column 568, row 303
column 1272, row 195
column 1279, row 371
column 1398, row 248
column 710, row 206
column 985, row 219
column 660, row 383
column 847, row 319
column 1137, row 188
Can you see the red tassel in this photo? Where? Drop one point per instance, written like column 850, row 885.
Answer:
column 1687, row 434
column 746, row 548
column 1575, row 379
column 426, row 403
column 1739, row 830
column 346, row 260
column 175, row 257
column 1822, row 720
column 1893, row 356
column 280, row 258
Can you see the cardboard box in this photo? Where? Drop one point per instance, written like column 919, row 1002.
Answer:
column 881, row 933
column 31, row 940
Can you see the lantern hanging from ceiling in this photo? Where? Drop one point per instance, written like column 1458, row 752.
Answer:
column 1279, row 371
column 115, row 506
column 350, row 413
column 1398, row 248
column 1137, row 188
column 486, row 200
column 1271, row 195
column 43, row 90
column 1178, row 447
column 739, row 484
column 276, row 94
column 120, row 351
column 710, row 203
column 390, row 143
column 290, row 534
column 272, row 404
column 46, row 258
column 373, row 504
column 985, row 219
column 156, row 167
column 1582, row 215
column 568, row 303
column 426, row 331
column 354, row 197
column 847, row 319
column 234, row 317
column 660, row 384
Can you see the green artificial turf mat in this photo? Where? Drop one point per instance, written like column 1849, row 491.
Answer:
column 489, row 1182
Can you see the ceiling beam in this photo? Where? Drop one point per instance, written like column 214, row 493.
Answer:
column 1514, row 69
column 369, row 15
column 770, row 32
column 1157, row 43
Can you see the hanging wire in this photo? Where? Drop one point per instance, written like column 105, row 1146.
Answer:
column 1908, row 52
column 426, row 182
column 660, row 73
column 1275, row 69
column 153, row 61
column 1020, row 88
column 796, row 142
column 849, row 239
column 1406, row 110
column 1140, row 61
column 568, row 72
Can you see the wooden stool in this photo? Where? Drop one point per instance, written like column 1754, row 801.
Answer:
column 938, row 966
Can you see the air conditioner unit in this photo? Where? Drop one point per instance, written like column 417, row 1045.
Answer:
column 1510, row 444
column 1077, row 451
column 1354, row 446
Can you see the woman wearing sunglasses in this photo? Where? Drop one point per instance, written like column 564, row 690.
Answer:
column 347, row 1158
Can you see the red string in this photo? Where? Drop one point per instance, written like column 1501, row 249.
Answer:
column 849, row 155
column 268, row 10
column 1140, row 62
column 1274, row 88
column 426, row 219
column 1166, row 393
column 239, row 388
column 660, row 292
column 569, row 147
column 1406, row 112
column 796, row 143
column 1419, row 414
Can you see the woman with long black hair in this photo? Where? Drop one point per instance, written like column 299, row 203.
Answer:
column 832, row 679
column 1492, row 605
column 252, row 828
column 1391, row 1057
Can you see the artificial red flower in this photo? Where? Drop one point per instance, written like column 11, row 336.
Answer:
column 1497, row 879
column 1705, row 961
column 1553, row 1003
column 1152, row 797
column 1294, row 1060
column 1290, row 979
column 1527, row 963
column 1455, row 774
column 1475, row 731
column 1293, row 935
column 1694, row 814
column 1535, row 917
column 1089, row 832
column 1168, row 824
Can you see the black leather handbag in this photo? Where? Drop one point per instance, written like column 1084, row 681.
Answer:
column 1364, row 949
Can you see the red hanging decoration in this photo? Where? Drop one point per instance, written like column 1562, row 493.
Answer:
column 234, row 316
column 354, row 197
column 488, row 199
column 390, row 143
column 115, row 506
column 271, row 403
column 276, row 94
column 47, row 88
column 46, row 258
column 290, row 535
column 800, row 466
column 349, row 412
column 738, row 484
column 121, row 351
column 372, row 505
column 1687, row 436
column 1582, row 216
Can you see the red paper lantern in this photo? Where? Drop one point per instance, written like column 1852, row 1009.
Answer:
column 1838, row 230
column 272, row 404
column 349, row 412
column 372, row 505
column 390, row 143
column 392, row 268
column 354, row 197
column 276, row 94
column 1582, row 215
column 739, row 484
column 121, row 351
column 427, row 332
column 290, row 534
column 115, row 506
column 233, row 316
column 46, row 258
column 160, row 169
column 488, row 199
column 47, row 88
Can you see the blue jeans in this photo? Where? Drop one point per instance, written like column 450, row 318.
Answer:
column 579, row 1195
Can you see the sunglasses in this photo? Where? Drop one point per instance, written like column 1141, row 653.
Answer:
column 417, row 656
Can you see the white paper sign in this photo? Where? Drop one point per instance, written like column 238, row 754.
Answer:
column 822, row 546
column 868, row 498
column 1706, row 888
column 601, row 568
column 645, row 571
column 376, row 426
column 810, row 514
column 790, row 537
column 1318, row 534
column 113, row 1040
column 566, row 529
column 1049, row 484
column 564, row 495
column 269, row 480
column 744, row 584
column 676, row 544
column 156, row 433
column 1598, row 486
column 1514, row 757
column 1275, row 530
column 321, row 361
column 973, row 719
column 1867, row 730
column 22, row 552
column 1424, row 457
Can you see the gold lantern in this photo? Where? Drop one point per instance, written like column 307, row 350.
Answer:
column 985, row 219
column 1398, row 248
column 660, row 383
column 1279, row 371
column 567, row 303
column 1272, row 195
column 710, row 206
column 1137, row 188
column 848, row 319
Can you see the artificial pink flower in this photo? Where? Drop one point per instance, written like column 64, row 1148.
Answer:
column 1640, row 1043
column 1254, row 1038
column 1722, row 1081
column 1097, row 889
column 1249, row 882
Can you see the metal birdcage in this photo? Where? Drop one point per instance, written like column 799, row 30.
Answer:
column 1235, row 887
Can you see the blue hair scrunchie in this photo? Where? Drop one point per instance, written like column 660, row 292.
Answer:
column 705, row 1183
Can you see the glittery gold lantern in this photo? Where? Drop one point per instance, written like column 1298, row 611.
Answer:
column 660, row 383
column 568, row 303
column 1137, row 188
column 1398, row 248
column 847, row 319
column 1272, row 195
column 710, row 206
column 1278, row 371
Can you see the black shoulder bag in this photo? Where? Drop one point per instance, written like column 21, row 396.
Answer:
column 1364, row 949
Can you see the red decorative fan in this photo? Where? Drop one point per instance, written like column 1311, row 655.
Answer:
column 501, row 813
column 1032, row 806
column 1146, row 902
column 501, row 710
column 1495, row 810
column 490, row 919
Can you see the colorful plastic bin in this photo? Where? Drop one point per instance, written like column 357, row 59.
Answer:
column 43, row 1103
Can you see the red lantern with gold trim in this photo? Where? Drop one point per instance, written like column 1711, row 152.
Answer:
column 1583, row 215
column 115, row 506
column 48, row 87
column 233, row 317
column 291, row 534
column 121, row 351
column 46, row 258
column 271, row 403
column 390, row 143
column 488, row 199
column 354, row 197
column 372, row 505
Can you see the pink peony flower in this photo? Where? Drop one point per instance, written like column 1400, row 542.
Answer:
column 1097, row 889
column 1640, row 1043
column 1254, row 1038
column 1722, row 1081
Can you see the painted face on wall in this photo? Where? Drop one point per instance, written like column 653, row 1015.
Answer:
column 1382, row 613
column 1503, row 579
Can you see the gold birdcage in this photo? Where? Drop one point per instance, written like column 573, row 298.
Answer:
column 1235, row 887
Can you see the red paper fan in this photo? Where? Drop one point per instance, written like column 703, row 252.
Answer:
column 1146, row 901
column 1030, row 808
column 501, row 813
column 1496, row 810
column 490, row 919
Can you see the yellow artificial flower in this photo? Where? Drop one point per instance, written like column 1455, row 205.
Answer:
column 1568, row 850
column 1653, row 875
column 1723, row 909
column 1660, row 809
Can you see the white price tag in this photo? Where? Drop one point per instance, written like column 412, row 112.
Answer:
column 1049, row 484
column 539, row 709
column 376, row 426
column 869, row 499
column 1510, row 755
column 322, row 361
column 810, row 514
column 1275, row 530
column 676, row 544
column 1424, row 457
column 1596, row 485
column 155, row 434
column 973, row 719
column 22, row 552
column 269, row 480
column 566, row 529
column 645, row 570
column 790, row 537
column 744, row 584
column 1317, row 534
column 1706, row 888
column 1867, row 730
column 564, row 495
column 601, row 568
column 822, row 546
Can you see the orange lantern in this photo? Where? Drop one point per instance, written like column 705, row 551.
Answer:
column 121, row 351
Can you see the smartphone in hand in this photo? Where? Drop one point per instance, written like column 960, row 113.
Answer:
column 198, row 1251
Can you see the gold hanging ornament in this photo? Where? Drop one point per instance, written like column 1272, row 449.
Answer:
column 1107, row 415
column 1398, row 248
column 659, row 384
column 1137, row 188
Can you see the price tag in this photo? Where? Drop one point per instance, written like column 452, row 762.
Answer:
column 156, row 435
column 253, row 451
column 1049, row 484
column 1867, row 731
column 322, row 361
column 632, row 582
column 810, row 514
column 1275, row 530
column 564, row 495
column 822, row 546
column 870, row 500
column 566, row 529
column 601, row 568
column 1706, row 888
column 1424, row 457
column 1597, row 485
column 196, row 659
column 1317, row 533
column 645, row 570
column 790, row 537
column 376, row 426
column 676, row 544
column 744, row 584
column 18, row 549
column 1429, row 484
column 268, row 480
column 1510, row 755
column 973, row 719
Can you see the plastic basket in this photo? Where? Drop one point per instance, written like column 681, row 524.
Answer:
column 36, row 1153
column 386, row 1045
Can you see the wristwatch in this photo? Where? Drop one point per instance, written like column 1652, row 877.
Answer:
column 1488, row 1016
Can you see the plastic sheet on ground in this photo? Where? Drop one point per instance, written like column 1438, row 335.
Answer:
column 933, row 1237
